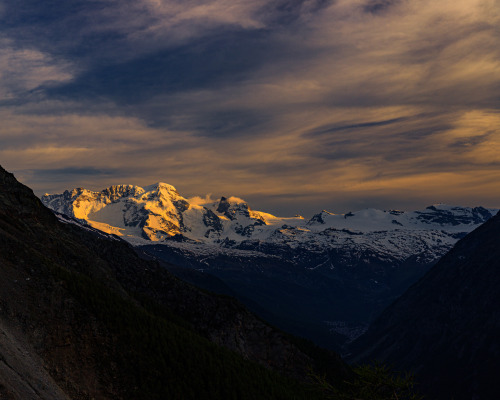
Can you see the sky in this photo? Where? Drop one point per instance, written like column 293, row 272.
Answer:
column 295, row 106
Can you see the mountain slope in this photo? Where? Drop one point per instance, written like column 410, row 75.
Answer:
column 95, row 321
column 447, row 326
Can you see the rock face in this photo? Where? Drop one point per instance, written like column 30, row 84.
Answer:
column 156, row 213
column 82, row 316
column 324, row 278
column 446, row 327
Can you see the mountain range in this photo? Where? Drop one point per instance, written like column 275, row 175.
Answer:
column 158, row 213
column 324, row 278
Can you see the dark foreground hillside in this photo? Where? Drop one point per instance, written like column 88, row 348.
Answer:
column 446, row 327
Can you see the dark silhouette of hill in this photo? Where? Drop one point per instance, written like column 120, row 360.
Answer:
column 446, row 327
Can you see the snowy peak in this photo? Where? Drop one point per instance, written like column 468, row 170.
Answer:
column 229, row 210
column 153, row 213
column 80, row 202
column 319, row 218
column 161, row 189
column 233, row 207
column 161, row 186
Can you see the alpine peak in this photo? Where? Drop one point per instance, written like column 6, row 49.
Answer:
column 161, row 186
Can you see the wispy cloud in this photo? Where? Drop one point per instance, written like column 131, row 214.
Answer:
column 201, row 201
column 24, row 70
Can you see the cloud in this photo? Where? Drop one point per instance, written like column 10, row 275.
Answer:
column 210, row 64
column 201, row 201
column 125, row 29
column 24, row 70
column 289, row 104
column 378, row 6
column 237, row 200
column 336, row 128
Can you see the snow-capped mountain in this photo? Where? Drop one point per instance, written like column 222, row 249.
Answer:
column 158, row 213
column 332, row 272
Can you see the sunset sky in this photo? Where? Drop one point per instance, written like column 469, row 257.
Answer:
column 295, row 106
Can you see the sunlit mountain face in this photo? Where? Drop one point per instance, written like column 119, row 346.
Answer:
column 158, row 213
column 323, row 277
column 295, row 106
